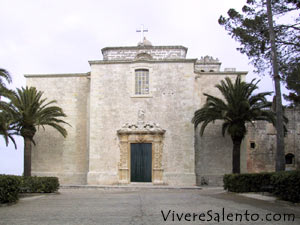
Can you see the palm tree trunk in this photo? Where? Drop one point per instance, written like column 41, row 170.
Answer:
column 236, row 154
column 280, row 160
column 27, row 157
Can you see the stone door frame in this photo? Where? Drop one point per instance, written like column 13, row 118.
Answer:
column 128, row 137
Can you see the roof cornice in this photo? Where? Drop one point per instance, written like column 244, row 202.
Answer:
column 58, row 75
column 91, row 62
column 144, row 47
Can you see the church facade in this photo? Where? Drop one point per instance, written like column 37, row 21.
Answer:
column 130, row 120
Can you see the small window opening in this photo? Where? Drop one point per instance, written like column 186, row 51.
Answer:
column 252, row 145
column 289, row 158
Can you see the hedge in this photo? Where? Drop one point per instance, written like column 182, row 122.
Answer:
column 39, row 184
column 285, row 185
column 249, row 182
column 11, row 186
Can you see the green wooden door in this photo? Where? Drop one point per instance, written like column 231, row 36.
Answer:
column 141, row 162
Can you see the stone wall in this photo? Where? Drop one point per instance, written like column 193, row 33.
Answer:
column 170, row 104
column 261, row 144
column 155, row 52
column 207, row 64
column 53, row 155
column 213, row 151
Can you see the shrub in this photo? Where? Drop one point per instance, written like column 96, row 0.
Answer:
column 287, row 185
column 9, row 188
column 252, row 182
column 39, row 184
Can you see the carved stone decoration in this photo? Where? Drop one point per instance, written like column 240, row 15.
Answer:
column 141, row 133
column 208, row 59
column 141, row 117
column 143, row 56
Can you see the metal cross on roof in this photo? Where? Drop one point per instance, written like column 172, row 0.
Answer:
column 142, row 30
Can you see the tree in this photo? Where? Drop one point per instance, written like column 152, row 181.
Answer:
column 252, row 30
column 31, row 111
column 7, row 126
column 4, row 74
column 240, row 106
column 293, row 84
column 270, row 46
column 280, row 156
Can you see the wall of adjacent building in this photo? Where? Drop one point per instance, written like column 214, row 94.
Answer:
column 261, row 155
column 53, row 155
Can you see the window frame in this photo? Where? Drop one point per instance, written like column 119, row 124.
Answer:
column 133, row 80
column 141, row 82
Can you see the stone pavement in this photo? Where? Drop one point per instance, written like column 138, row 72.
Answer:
column 84, row 206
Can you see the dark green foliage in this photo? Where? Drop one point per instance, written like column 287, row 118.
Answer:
column 7, row 125
column 251, row 182
column 9, row 188
column 4, row 75
column 293, row 84
column 39, row 184
column 285, row 184
column 250, row 28
column 30, row 111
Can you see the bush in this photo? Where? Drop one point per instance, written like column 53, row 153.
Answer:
column 39, row 184
column 287, row 185
column 9, row 188
column 251, row 182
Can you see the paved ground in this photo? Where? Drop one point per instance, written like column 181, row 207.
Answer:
column 94, row 206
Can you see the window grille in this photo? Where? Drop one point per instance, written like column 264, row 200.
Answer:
column 142, row 82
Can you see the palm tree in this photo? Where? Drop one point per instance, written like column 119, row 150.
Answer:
column 4, row 76
column 7, row 126
column 239, row 106
column 31, row 111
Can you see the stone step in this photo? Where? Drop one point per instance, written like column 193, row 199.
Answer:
column 132, row 186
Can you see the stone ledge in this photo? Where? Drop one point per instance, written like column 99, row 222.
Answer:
column 91, row 62
column 58, row 75
column 144, row 47
column 130, row 187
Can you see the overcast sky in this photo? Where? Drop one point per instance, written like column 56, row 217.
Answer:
column 60, row 36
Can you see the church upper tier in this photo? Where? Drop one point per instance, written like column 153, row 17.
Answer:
column 144, row 52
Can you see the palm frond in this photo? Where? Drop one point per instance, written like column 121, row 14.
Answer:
column 31, row 111
column 240, row 105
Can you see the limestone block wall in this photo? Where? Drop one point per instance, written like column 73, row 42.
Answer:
column 261, row 144
column 207, row 64
column 170, row 103
column 53, row 155
column 157, row 52
column 213, row 152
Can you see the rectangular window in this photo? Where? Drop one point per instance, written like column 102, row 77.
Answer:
column 141, row 82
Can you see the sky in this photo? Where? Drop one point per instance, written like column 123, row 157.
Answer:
column 60, row 36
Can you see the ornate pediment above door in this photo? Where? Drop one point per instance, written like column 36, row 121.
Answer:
column 141, row 132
